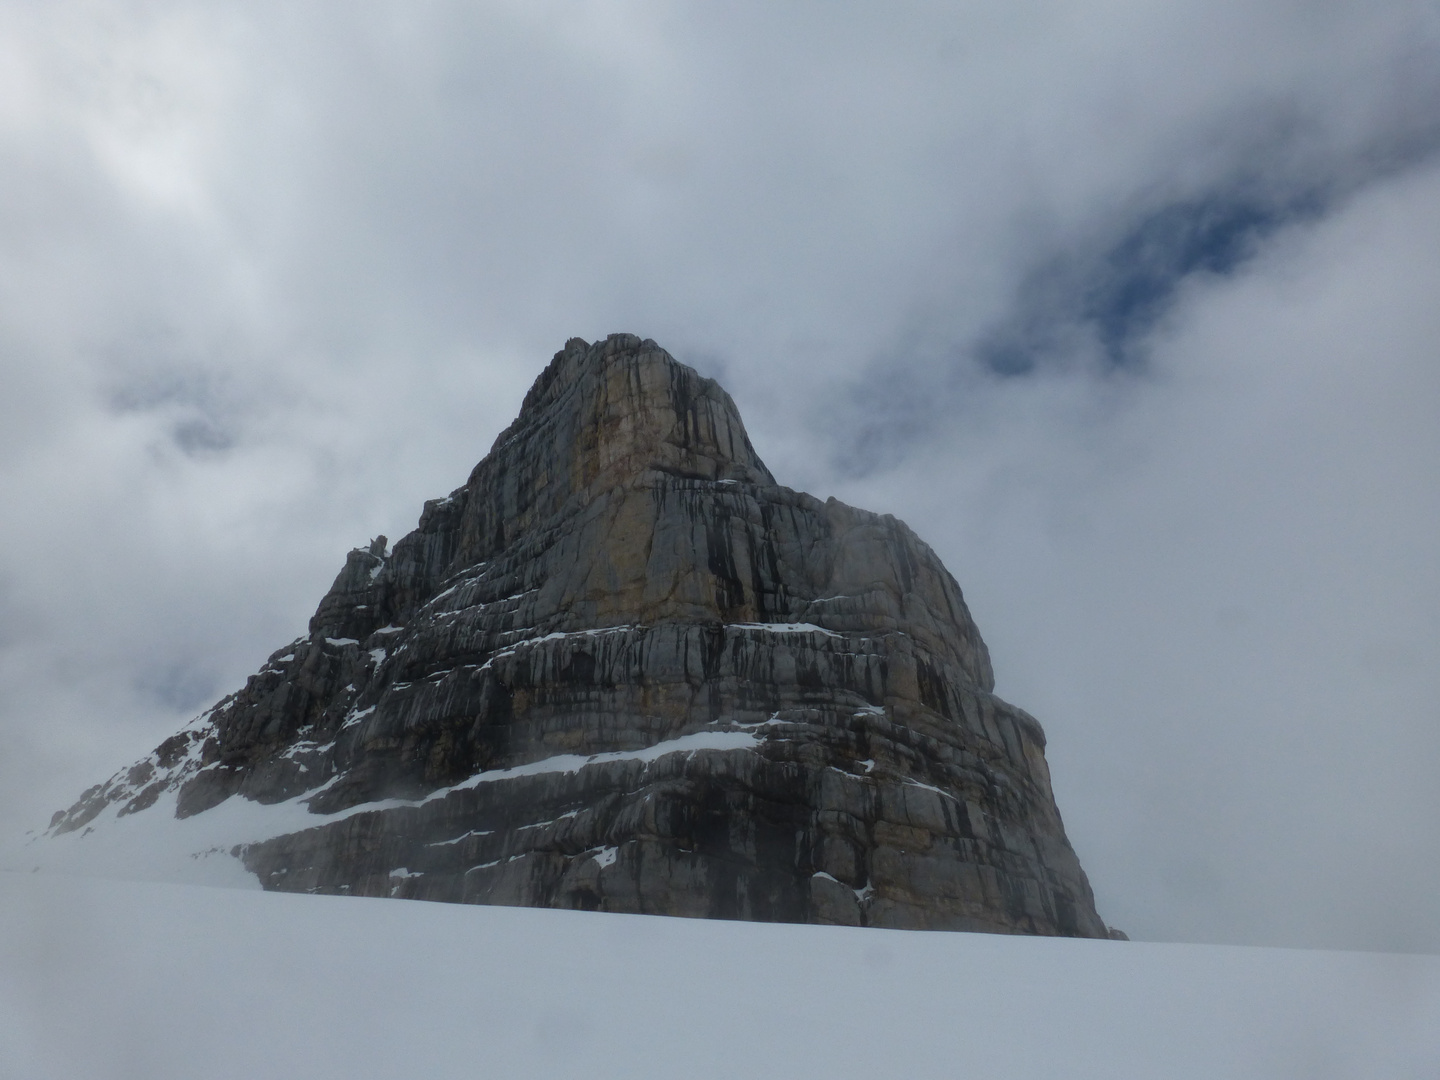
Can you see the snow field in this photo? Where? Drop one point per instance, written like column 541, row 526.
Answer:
column 108, row 979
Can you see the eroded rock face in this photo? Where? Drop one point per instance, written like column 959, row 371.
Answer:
column 622, row 669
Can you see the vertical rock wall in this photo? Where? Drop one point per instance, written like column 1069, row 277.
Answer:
column 623, row 669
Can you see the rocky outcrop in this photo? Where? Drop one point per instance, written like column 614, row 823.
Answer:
column 622, row 669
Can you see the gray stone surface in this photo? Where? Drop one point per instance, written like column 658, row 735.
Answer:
column 622, row 669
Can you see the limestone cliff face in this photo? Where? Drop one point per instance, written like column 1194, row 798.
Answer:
column 622, row 669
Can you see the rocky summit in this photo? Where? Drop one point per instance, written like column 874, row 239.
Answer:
column 623, row 669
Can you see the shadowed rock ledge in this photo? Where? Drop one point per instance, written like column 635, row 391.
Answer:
column 622, row 669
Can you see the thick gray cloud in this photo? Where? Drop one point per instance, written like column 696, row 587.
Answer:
column 1127, row 308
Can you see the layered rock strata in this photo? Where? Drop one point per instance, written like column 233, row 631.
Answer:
column 622, row 669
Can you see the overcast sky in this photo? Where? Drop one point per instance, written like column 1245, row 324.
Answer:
column 1131, row 310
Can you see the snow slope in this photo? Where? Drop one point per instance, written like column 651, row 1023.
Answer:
column 107, row 979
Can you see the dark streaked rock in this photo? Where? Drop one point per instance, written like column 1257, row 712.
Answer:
column 622, row 669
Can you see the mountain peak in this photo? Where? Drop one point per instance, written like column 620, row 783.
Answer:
column 624, row 403
column 621, row 668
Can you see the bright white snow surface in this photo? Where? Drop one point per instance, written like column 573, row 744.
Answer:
column 105, row 979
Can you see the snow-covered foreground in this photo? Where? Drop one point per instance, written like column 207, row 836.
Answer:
column 108, row 979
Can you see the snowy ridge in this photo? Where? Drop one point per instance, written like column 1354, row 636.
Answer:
column 202, row 848
column 786, row 628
